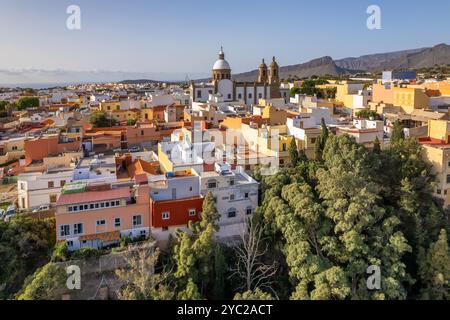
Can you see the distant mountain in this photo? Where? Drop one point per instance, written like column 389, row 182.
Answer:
column 141, row 81
column 407, row 59
column 321, row 66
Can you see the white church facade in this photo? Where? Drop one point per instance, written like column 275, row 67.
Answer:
column 267, row 86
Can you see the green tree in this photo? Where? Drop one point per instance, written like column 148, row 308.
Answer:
column 436, row 271
column 321, row 140
column 331, row 224
column 194, row 253
column 131, row 122
column 25, row 245
column 258, row 294
column 47, row 283
column 368, row 114
column 25, row 103
column 397, row 134
column 100, row 120
column 376, row 146
column 190, row 292
column 293, row 153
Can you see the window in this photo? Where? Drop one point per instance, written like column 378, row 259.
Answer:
column 246, row 195
column 107, row 204
column 448, row 178
column 78, row 228
column 232, row 182
column 14, row 148
column 260, row 95
column 117, row 222
column 166, row 215
column 229, row 96
column 313, row 140
column 101, row 222
column 70, row 209
column 51, row 184
column 192, row 212
column 117, row 202
column 199, row 93
column 438, row 191
column 231, row 196
column 91, row 206
column 137, row 221
column 284, row 146
column 240, row 96
column 248, row 211
column 70, row 243
column 22, row 186
column 250, row 96
column 212, row 184
column 86, row 207
column 232, row 213
column 62, row 183
column 64, row 230
column 53, row 198
column 165, row 228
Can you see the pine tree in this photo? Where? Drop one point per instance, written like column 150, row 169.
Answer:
column 437, row 270
column 194, row 253
column 293, row 153
column 397, row 134
column 321, row 141
column 376, row 146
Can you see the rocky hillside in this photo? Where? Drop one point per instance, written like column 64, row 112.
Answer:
column 407, row 59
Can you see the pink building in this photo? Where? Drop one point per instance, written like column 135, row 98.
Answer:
column 99, row 217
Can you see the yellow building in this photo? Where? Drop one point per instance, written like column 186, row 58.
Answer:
column 124, row 115
column 12, row 149
column 268, row 140
column 436, row 152
column 109, row 106
column 410, row 98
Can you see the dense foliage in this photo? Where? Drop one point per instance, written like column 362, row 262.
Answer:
column 25, row 103
column 334, row 218
column 25, row 245
column 100, row 120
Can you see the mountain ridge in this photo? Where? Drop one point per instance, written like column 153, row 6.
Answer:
column 404, row 59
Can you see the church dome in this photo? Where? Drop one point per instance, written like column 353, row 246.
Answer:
column 221, row 64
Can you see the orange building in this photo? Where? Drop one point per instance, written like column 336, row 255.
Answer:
column 40, row 148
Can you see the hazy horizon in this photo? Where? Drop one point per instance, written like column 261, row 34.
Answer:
column 169, row 40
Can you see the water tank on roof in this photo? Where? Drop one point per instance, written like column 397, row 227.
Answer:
column 170, row 174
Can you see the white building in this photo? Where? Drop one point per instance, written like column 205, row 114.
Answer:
column 364, row 131
column 38, row 188
column 236, row 197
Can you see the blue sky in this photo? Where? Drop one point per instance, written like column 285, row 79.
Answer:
column 181, row 36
